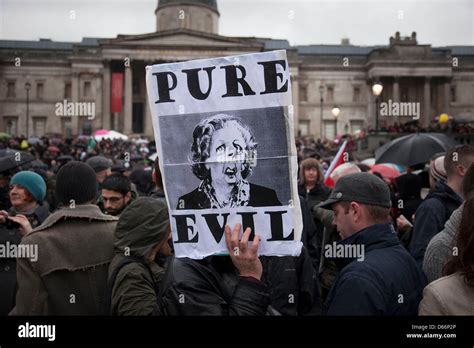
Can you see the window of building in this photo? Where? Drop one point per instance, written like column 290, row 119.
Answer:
column 356, row 126
column 67, row 127
column 11, row 125
column 87, row 128
column 330, row 129
column 39, row 90
column 39, row 126
column 330, row 94
column 453, row 94
column 87, row 89
column 11, row 89
column 303, row 128
column 356, row 94
column 67, row 90
column 303, row 93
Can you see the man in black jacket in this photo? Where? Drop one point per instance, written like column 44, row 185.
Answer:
column 377, row 275
column 440, row 203
column 241, row 283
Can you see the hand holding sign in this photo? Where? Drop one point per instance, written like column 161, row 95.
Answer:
column 244, row 256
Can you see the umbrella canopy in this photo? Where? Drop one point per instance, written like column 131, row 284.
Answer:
column 53, row 148
column 386, row 170
column 413, row 149
column 65, row 158
column 112, row 135
column 10, row 159
column 369, row 161
column 34, row 141
column 101, row 132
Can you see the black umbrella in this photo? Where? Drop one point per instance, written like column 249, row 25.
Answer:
column 414, row 149
column 10, row 159
column 65, row 158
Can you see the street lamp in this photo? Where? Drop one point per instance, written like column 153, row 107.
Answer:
column 335, row 112
column 377, row 89
column 321, row 91
column 27, row 87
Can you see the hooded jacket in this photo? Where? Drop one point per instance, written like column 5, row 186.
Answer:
column 142, row 225
column 430, row 218
column 384, row 281
column 75, row 247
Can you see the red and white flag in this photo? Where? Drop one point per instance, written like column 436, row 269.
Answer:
column 336, row 162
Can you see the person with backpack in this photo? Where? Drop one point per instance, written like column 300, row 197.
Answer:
column 142, row 244
column 440, row 203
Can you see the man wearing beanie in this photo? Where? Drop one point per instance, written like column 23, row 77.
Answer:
column 102, row 167
column 28, row 210
column 377, row 276
column 75, row 250
column 143, row 232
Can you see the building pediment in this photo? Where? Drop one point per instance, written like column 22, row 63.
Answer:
column 180, row 38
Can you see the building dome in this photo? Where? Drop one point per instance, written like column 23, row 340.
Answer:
column 197, row 15
column 212, row 4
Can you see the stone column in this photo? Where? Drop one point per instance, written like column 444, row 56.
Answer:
column 396, row 89
column 75, row 98
column 447, row 86
column 128, row 101
column 106, row 96
column 425, row 121
column 370, row 121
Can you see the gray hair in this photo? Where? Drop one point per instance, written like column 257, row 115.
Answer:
column 202, row 136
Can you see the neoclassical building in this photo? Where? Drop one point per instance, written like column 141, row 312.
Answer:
column 110, row 74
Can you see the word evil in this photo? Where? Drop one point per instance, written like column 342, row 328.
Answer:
column 11, row 251
column 345, row 251
column 270, row 75
column 187, row 233
column 37, row 331
column 397, row 109
column 75, row 109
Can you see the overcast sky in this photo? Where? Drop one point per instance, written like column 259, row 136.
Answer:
column 302, row 22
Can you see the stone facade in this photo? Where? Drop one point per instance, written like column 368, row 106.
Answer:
column 440, row 79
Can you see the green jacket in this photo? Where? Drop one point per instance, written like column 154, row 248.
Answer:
column 142, row 225
column 134, row 290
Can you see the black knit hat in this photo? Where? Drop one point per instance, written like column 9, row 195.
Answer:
column 76, row 181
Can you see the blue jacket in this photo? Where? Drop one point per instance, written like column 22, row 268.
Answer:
column 430, row 218
column 386, row 282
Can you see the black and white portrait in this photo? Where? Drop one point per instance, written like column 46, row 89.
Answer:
column 223, row 153
column 226, row 159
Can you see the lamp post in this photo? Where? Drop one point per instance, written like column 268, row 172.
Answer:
column 377, row 89
column 335, row 112
column 321, row 91
column 27, row 87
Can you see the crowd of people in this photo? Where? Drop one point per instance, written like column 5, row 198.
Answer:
column 94, row 219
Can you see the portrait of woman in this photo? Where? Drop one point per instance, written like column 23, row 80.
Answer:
column 223, row 155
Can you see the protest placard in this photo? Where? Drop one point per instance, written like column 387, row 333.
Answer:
column 224, row 134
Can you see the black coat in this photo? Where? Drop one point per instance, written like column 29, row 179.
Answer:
column 212, row 286
column 8, row 285
column 259, row 197
column 387, row 282
column 430, row 218
column 314, row 196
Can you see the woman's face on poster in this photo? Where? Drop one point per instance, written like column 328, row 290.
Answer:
column 227, row 155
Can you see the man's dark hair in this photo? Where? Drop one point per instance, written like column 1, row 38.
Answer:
column 458, row 155
column 117, row 182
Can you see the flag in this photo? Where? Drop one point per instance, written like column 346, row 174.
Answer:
column 336, row 162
